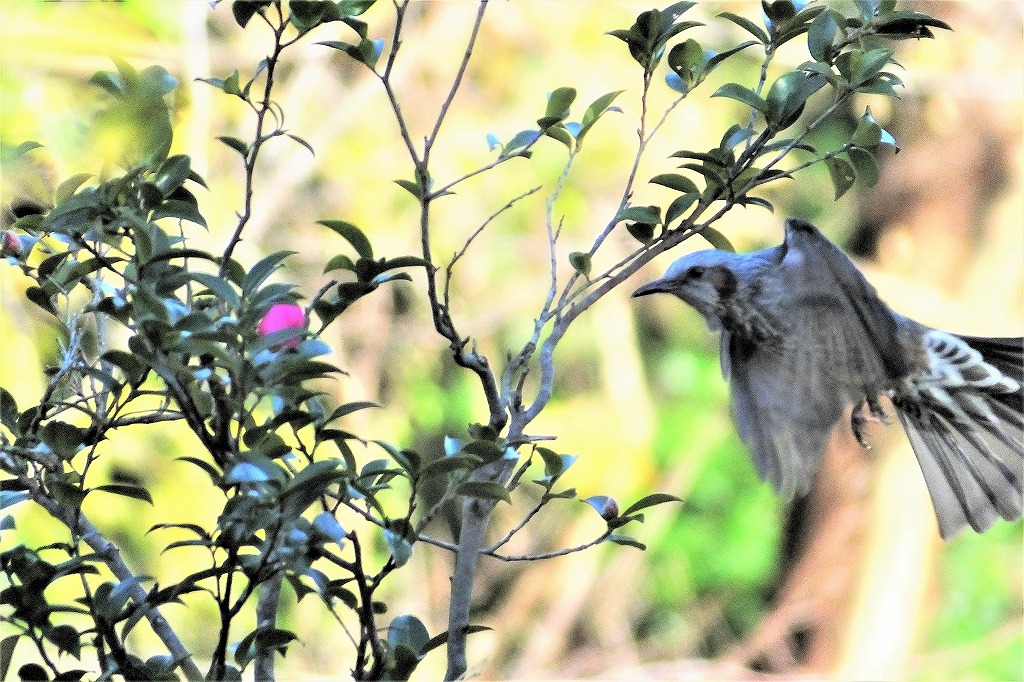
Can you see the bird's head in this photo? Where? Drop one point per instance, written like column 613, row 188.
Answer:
column 706, row 280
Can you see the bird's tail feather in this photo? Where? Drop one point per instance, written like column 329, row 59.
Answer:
column 973, row 458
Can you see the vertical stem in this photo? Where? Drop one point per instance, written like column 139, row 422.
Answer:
column 266, row 617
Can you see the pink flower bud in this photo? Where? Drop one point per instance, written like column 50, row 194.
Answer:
column 282, row 316
column 11, row 244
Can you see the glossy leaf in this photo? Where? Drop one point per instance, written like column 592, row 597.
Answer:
column 352, row 234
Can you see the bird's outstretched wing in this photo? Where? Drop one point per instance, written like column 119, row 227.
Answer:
column 964, row 414
column 839, row 343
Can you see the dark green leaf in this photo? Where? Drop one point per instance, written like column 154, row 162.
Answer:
column 219, row 287
column 679, row 206
column 680, row 183
column 580, row 262
column 747, row 25
column 409, row 631
column 842, row 173
column 8, row 412
column 7, row 645
column 642, row 214
column 133, row 491
column 236, row 144
column 62, row 438
column 653, row 499
column 244, row 10
column 66, row 639
column 865, row 166
column 67, row 188
column 263, row 268
column 340, row 262
column 181, row 210
column 353, row 234
column 821, row 34
column 717, row 59
column 746, row 95
column 131, row 366
column 717, row 240
column 626, row 541
column 488, row 490
column 642, row 232
column 559, row 101
column 442, row 638
column 411, row 187
column 172, row 173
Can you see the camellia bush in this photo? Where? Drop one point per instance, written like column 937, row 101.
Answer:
column 154, row 329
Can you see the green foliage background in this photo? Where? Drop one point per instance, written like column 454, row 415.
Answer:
column 640, row 399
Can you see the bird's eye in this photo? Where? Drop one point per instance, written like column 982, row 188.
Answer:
column 696, row 271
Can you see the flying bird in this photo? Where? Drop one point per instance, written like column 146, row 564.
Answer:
column 804, row 337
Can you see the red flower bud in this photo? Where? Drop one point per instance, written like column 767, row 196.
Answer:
column 11, row 243
column 283, row 316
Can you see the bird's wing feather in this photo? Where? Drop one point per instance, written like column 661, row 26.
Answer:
column 839, row 344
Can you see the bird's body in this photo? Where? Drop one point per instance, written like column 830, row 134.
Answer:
column 804, row 337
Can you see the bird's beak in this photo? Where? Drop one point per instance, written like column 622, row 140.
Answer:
column 655, row 287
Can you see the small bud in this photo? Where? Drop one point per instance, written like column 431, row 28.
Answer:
column 283, row 316
column 11, row 244
column 610, row 510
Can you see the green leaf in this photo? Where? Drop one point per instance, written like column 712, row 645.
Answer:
column 741, row 94
column 641, row 214
column 62, row 438
column 131, row 366
column 679, row 206
column 236, row 144
column 301, row 141
column 717, row 240
column 172, row 173
column 340, row 262
column 66, row 639
column 352, row 234
column 263, row 269
column 409, row 631
column 580, row 262
column 821, row 35
column 307, row 14
column 411, row 187
column 126, row 490
column 559, row 101
column 400, row 547
column 843, row 175
column 487, row 490
column 868, row 133
column 865, row 166
column 180, row 210
column 558, row 132
column 442, row 638
column 747, row 25
column 8, row 412
column 244, row 10
column 675, row 181
column 7, row 646
column 67, row 188
column 597, row 108
column 219, row 287
column 14, row 153
column 626, row 541
column 788, row 94
column 650, row 500
column 642, row 232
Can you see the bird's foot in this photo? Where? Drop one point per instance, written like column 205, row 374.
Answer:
column 858, row 419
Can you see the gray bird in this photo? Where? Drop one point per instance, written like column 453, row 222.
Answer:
column 804, row 337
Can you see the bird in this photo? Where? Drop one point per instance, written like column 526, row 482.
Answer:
column 805, row 341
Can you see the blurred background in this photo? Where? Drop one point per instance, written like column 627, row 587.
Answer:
column 852, row 582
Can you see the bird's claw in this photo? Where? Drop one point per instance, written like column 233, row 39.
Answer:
column 858, row 419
